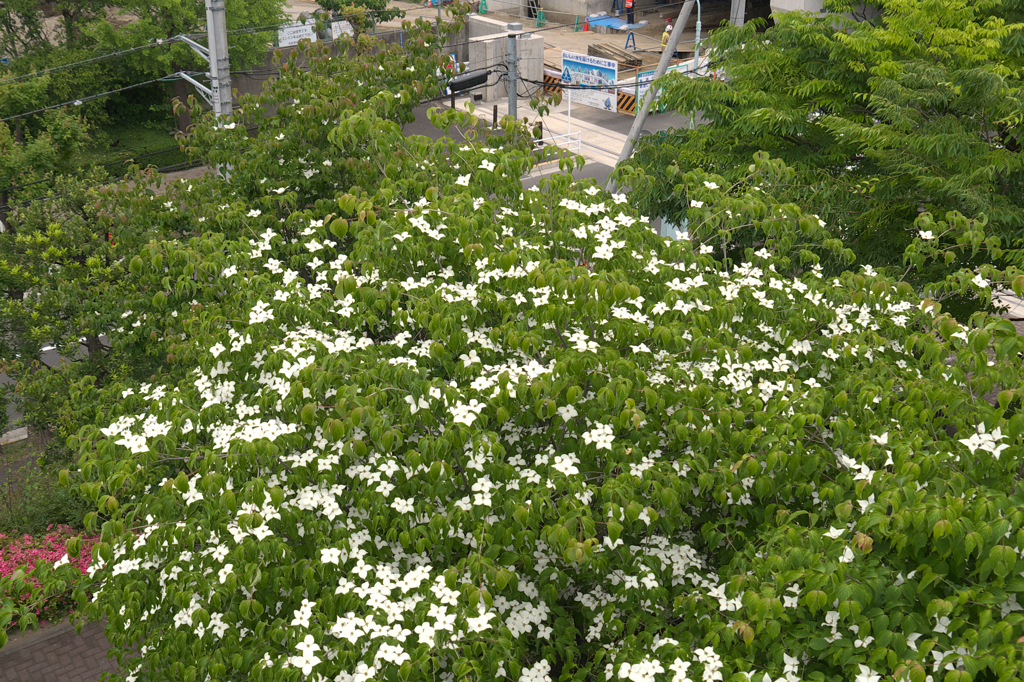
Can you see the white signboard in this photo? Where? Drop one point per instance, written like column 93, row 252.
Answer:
column 596, row 75
column 291, row 34
column 341, row 28
column 644, row 78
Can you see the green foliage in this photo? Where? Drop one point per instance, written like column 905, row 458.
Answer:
column 411, row 421
column 915, row 111
column 116, row 145
column 40, row 155
column 345, row 8
column 31, row 499
column 162, row 19
column 56, row 264
column 21, row 28
column 6, row 398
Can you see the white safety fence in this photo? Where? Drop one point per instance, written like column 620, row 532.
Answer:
column 569, row 141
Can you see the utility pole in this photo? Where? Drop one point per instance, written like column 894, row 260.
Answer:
column 737, row 12
column 666, row 57
column 513, row 69
column 696, row 44
column 220, row 67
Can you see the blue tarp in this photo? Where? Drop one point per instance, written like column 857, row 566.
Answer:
column 612, row 22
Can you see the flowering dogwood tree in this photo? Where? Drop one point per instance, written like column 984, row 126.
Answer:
column 431, row 425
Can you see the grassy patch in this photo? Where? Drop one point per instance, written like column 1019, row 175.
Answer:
column 31, row 498
column 115, row 146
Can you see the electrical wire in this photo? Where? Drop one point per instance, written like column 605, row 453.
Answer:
column 246, row 29
column 131, row 157
column 157, row 43
column 92, row 60
column 555, row 26
column 82, row 100
column 310, row 21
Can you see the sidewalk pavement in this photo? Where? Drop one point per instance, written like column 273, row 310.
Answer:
column 601, row 133
column 56, row 653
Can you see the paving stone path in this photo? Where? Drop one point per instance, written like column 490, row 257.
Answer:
column 57, row 654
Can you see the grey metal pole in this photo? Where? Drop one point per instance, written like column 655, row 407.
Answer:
column 513, row 69
column 738, row 12
column 666, row 57
column 220, row 66
column 696, row 43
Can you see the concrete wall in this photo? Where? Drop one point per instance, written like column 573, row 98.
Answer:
column 487, row 52
column 815, row 6
column 480, row 25
column 558, row 11
column 796, row 5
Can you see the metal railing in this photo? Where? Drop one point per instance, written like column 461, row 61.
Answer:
column 569, row 141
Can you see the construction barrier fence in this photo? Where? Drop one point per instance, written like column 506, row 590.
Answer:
column 552, row 83
column 631, row 88
column 626, row 103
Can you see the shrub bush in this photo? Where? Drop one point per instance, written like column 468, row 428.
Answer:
column 23, row 553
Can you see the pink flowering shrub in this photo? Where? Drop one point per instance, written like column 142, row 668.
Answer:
column 26, row 552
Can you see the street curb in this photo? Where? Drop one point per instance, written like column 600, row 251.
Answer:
column 14, row 436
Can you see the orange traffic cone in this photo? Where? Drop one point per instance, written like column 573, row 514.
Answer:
column 586, row 24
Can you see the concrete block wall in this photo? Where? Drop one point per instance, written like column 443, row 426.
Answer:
column 488, row 52
column 481, row 25
column 562, row 9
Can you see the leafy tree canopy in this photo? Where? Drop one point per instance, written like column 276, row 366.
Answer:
column 414, row 421
column 379, row 8
column 916, row 110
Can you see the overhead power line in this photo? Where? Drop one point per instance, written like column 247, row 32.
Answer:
column 92, row 60
column 88, row 98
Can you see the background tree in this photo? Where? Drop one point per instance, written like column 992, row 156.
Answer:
column 22, row 29
column 379, row 8
column 251, row 26
column 27, row 155
column 72, row 250
column 916, row 110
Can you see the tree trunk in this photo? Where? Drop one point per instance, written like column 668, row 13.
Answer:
column 181, row 93
column 5, row 208
column 93, row 346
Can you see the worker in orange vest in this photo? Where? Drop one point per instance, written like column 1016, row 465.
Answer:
column 629, row 12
